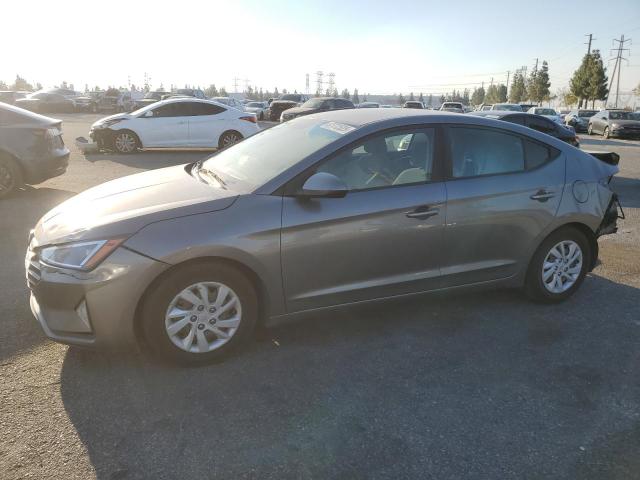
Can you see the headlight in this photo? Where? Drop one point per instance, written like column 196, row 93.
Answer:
column 615, row 125
column 80, row 256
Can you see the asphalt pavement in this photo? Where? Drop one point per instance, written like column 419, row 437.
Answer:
column 473, row 385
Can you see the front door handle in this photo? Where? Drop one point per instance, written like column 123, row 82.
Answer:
column 542, row 195
column 423, row 212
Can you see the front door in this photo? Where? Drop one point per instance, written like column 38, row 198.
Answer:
column 503, row 191
column 384, row 238
column 168, row 127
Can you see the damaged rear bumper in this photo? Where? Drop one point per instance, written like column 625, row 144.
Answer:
column 613, row 212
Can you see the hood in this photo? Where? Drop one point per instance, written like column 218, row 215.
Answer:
column 112, row 117
column 301, row 110
column 122, row 207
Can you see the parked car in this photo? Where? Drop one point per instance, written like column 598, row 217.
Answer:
column 485, row 107
column 31, row 148
column 43, row 102
column 579, row 119
column 369, row 105
column 86, row 103
column 174, row 123
column 563, row 114
column 285, row 102
column 549, row 113
column 260, row 109
column 185, row 92
column 614, row 123
column 512, row 107
column 456, row 107
column 413, row 104
column 230, row 101
column 150, row 97
column 315, row 213
column 536, row 122
column 386, row 106
column 10, row 96
column 315, row 105
column 526, row 106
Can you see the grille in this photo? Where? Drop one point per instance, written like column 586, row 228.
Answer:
column 32, row 265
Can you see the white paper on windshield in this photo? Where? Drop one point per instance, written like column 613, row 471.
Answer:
column 341, row 128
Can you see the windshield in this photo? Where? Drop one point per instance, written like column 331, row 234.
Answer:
column 586, row 113
column 255, row 104
column 545, row 111
column 261, row 157
column 292, row 97
column 621, row 116
column 506, row 106
column 313, row 103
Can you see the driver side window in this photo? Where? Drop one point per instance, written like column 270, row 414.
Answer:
column 383, row 160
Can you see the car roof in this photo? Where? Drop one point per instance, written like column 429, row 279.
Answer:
column 496, row 113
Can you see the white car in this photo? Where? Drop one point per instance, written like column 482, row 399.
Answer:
column 230, row 101
column 550, row 113
column 260, row 109
column 174, row 123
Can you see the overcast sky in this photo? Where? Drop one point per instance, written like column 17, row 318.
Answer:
column 377, row 47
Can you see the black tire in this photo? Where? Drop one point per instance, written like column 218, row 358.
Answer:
column 162, row 292
column 10, row 176
column 605, row 133
column 590, row 129
column 534, row 285
column 228, row 139
column 119, row 145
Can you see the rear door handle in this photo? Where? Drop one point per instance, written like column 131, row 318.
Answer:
column 423, row 212
column 542, row 195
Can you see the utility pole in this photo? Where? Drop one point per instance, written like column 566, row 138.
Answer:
column 590, row 35
column 617, row 68
column 236, row 81
column 307, row 85
column 319, row 82
column 508, row 74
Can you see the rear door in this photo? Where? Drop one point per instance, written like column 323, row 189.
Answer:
column 206, row 124
column 384, row 238
column 168, row 127
column 503, row 190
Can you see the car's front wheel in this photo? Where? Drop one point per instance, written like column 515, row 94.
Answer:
column 125, row 141
column 559, row 266
column 199, row 313
column 605, row 134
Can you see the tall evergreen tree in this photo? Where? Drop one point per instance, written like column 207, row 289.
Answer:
column 518, row 91
column 356, row 98
column 421, row 98
column 430, row 100
column 597, row 79
column 477, row 97
column 492, row 95
column 211, row 91
column 465, row 96
column 411, row 97
column 502, row 93
column 539, row 84
column 401, row 99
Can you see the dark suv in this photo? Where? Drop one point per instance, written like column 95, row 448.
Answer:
column 615, row 123
column 315, row 105
column 31, row 148
column 285, row 102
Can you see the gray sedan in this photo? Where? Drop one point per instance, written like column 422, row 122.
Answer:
column 328, row 209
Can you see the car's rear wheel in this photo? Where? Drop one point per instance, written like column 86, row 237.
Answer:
column 605, row 134
column 229, row 138
column 10, row 176
column 199, row 313
column 559, row 266
column 125, row 141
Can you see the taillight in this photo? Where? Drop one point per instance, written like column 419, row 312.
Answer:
column 250, row 118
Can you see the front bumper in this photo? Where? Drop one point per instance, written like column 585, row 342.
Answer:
column 92, row 309
column 624, row 133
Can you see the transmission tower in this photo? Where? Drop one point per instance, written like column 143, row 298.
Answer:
column 307, row 84
column 332, row 83
column 319, row 82
column 617, row 67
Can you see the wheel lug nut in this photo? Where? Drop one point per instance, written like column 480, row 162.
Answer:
column 193, row 318
column 200, row 308
column 212, row 309
column 200, row 326
column 212, row 321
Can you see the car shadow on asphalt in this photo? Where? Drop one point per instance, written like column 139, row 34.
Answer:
column 366, row 391
column 150, row 159
column 628, row 189
column 18, row 215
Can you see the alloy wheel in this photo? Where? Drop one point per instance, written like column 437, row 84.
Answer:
column 230, row 139
column 203, row 317
column 7, row 182
column 125, row 142
column 605, row 134
column 562, row 266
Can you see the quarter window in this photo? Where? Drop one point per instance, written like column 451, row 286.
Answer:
column 477, row 152
column 398, row 158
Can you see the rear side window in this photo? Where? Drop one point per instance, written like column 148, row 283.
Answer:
column 542, row 125
column 476, row 152
column 536, row 154
column 198, row 109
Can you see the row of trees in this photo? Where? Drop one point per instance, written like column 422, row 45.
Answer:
column 20, row 84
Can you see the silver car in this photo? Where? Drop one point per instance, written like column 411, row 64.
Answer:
column 328, row 209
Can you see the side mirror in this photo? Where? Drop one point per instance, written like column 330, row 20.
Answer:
column 148, row 114
column 323, row 184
